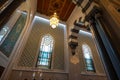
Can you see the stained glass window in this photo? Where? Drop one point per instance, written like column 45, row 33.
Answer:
column 45, row 53
column 8, row 44
column 88, row 57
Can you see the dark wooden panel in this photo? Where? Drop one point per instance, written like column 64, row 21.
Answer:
column 63, row 8
column 39, row 7
column 70, row 11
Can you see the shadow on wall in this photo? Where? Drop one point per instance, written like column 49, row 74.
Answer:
column 1, row 70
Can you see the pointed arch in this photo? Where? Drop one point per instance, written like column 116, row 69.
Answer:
column 88, row 57
column 45, row 52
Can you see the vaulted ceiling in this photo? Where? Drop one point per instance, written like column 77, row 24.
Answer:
column 63, row 8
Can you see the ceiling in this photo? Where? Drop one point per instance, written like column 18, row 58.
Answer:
column 63, row 8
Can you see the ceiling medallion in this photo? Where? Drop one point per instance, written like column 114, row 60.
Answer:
column 54, row 21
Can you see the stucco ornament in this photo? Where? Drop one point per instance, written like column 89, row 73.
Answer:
column 74, row 59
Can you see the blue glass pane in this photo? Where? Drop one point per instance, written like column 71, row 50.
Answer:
column 90, row 68
column 45, row 51
column 88, row 57
column 89, row 64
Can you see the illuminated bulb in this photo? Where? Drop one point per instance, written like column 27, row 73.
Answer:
column 53, row 26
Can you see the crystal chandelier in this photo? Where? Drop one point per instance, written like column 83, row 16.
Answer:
column 54, row 21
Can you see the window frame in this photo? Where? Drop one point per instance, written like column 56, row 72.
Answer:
column 51, row 58
column 91, row 58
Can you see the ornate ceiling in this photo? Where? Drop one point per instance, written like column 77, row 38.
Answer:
column 63, row 8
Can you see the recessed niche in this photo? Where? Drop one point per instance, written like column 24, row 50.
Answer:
column 118, row 9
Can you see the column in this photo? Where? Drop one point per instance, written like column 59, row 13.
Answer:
column 115, row 64
column 106, row 51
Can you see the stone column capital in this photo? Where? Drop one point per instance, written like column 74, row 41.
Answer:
column 92, row 13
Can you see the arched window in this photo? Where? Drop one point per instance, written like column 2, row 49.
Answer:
column 45, row 53
column 88, row 57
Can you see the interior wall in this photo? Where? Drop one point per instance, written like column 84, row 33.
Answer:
column 26, row 67
column 24, row 7
column 76, row 14
column 86, row 38
column 78, row 71
column 40, row 28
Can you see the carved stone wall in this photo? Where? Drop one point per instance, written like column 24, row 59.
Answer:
column 37, row 75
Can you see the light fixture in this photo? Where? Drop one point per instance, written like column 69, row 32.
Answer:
column 54, row 21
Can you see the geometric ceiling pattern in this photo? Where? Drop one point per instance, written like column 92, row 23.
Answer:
column 63, row 8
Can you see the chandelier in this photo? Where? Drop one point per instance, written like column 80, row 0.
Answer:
column 54, row 21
